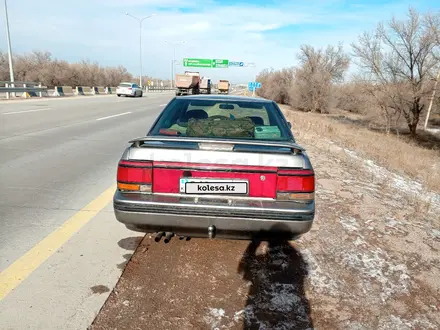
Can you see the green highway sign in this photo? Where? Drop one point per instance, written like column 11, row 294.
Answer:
column 205, row 63
column 197, row 62
column 220, row 63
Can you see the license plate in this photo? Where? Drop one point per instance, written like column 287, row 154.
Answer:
column 206, row 186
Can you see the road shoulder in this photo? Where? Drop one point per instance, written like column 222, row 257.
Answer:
column 71, row 286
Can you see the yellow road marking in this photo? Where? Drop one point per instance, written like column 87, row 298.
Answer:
column 16, row 273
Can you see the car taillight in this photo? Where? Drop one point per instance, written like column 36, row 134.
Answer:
column 129, row 88
column 296, row 185
column 135, row 176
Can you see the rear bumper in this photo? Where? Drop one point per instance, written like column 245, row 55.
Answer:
column 183, row 90
column 125, row 93
column 239, row 219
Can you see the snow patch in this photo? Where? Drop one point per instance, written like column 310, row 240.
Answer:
column 284, row 298
column 238, row 315
column 397, row 323
column 434, row 130
column 349, row 223
column 320, row 280
column 399, row 182
column 214, row 317
column 359, row 241
column 376, row 264
column 392, row 222
column 435, row 233
column 356, row 326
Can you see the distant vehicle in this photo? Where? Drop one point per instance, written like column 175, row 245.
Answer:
column 188, row 83
column 129, row 89
column 205, row 86
column 217, row 166
column 223, row 86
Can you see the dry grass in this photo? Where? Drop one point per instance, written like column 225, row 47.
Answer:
column 389, row 151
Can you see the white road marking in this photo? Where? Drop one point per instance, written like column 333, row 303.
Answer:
column 120, row 114
column 24, row 111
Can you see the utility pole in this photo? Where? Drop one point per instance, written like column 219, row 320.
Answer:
column 255, row 86
column 140, row 42
column 173, row 67
column 8, row 38
column 432, row 100
column 171, row 77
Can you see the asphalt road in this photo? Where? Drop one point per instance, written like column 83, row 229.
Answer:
column 61, row 248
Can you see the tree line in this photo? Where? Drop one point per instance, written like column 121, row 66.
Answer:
column 41, row 66
column 397, row 66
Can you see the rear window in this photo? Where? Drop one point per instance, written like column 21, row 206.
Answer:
column 222, row 119
column 124, row 85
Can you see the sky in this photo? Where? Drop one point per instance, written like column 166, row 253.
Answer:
column 266, row 32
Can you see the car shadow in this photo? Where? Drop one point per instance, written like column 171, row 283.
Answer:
column 276, row 298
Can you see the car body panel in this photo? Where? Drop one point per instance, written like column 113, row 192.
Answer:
column 265, row 167
column 217, row 157
column 166, row 180
column 129, row 89
column 192, row 216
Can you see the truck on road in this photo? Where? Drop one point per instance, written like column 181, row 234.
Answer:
column 188, row 83
column 223, row 86
column 205, row 85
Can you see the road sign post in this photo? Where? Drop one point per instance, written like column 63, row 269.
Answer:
column 253, row 86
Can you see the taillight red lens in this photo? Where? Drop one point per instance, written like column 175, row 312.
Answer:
column 129, row 88
column 296, row 181
column 135, row 172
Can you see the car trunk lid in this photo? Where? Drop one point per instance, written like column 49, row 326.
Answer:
column 125, row 89
column 206, row 179
column 203, row 167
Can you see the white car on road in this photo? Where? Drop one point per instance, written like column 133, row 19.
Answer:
column 129, row 89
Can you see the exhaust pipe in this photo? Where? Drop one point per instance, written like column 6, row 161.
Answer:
column 211, row 231
column 168, row 237
column 159, row 236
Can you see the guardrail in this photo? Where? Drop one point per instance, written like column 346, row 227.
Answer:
column 159, row 89
column 28, row 89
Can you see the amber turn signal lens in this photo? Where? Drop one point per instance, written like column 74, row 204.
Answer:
column 144, row 188
column 128, row 187
column 300, row 197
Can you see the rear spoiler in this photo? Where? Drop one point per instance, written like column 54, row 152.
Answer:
column 280, row 144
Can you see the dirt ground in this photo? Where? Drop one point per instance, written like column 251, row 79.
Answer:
column 371, row 261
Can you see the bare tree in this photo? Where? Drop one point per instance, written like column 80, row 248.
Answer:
column 4, row 67
column 433, row 24
column 276, row 84
column 264, row 78
column 41, row 67
column 319, row 68
column 350, row 97
column 398, row 61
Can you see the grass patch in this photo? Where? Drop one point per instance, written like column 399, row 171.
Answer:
column 390, row 151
